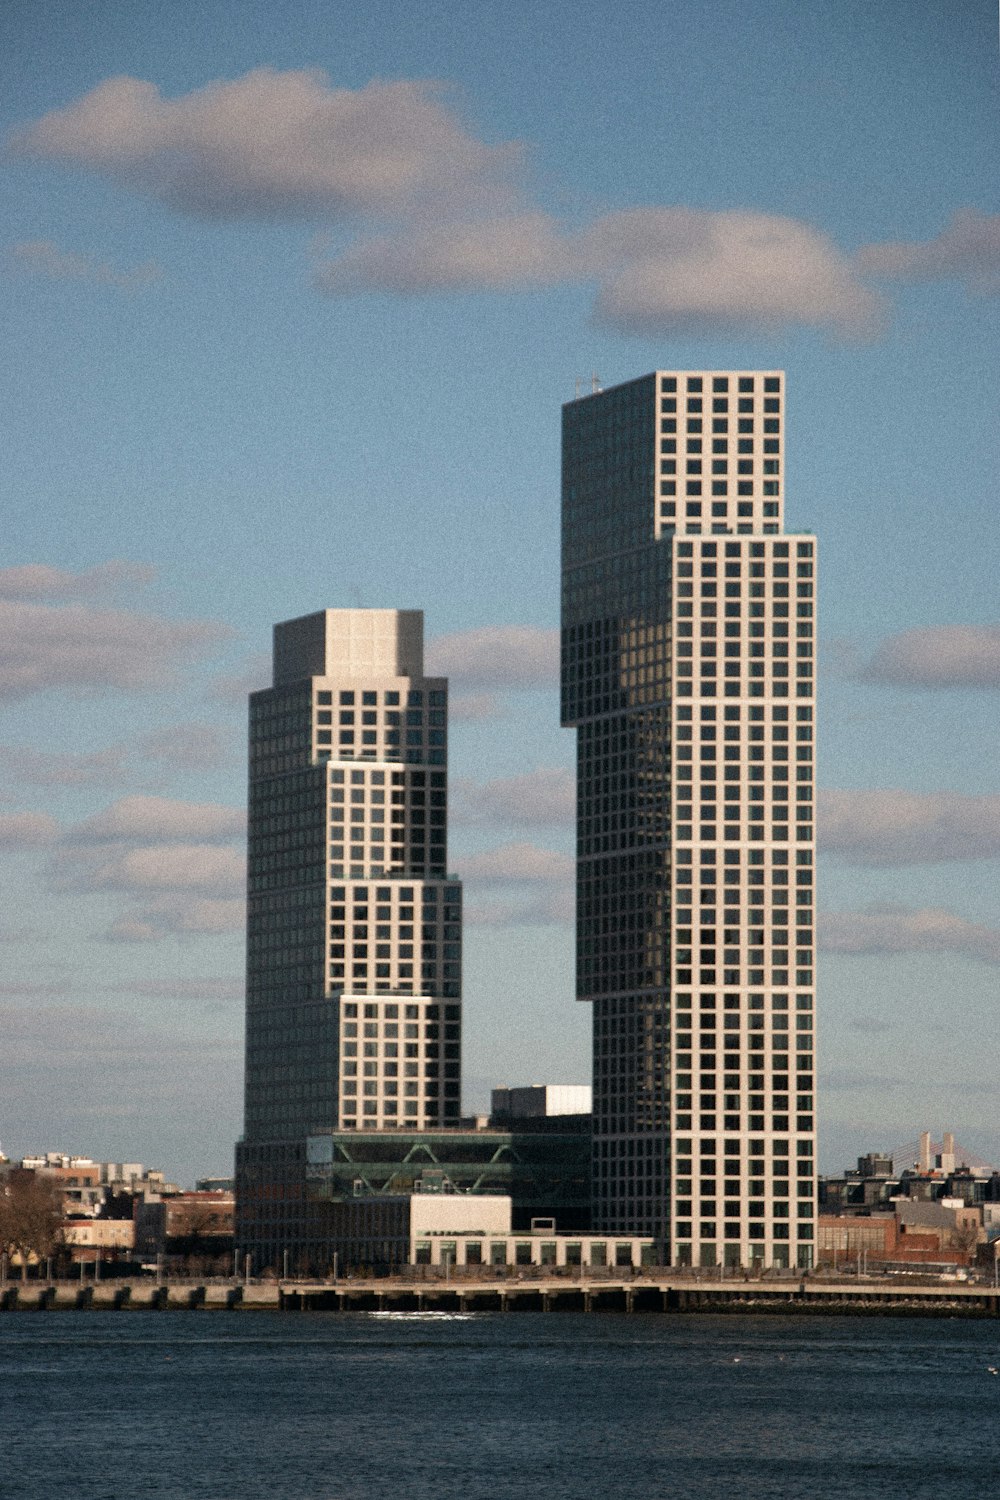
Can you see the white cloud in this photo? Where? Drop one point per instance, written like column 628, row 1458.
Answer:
column 505, row 254
column 33, row 989
column 133, row 927
column 968, row 250
column 198, row 867
column 27, row 830
column 167, row 858
column 40, row 581
column 187, row 747
column 45, row 258
column 518, row 885
column 64, row 768
column 473, row 708
column 141, row 819
column 214, row 988
column 548, row 908
column 179, row 747
column 675, row 270
column 278, row 144
column 140, row 844
column 519, row 863
column 938, row 656
column 85, row 649
column 178, row 915
column 206, row 916
column 438, row 210
column 495, row 657
column 892, row 930
column 543, row 796
column 893, row 827
column 657, row 271
column 166, row 1093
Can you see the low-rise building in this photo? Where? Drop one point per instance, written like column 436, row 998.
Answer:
column 186, row 1227
column 926, row 1173
column 465, row 1233
column 107, row 1239
column 470, row 1233
column 78, row 1178
column 542, row 1165
column 913, row 1230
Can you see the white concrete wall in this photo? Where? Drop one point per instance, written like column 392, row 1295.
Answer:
column 459, row 1213
column 584, row 1253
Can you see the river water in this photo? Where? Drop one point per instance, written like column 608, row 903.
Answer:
column 562, row 1406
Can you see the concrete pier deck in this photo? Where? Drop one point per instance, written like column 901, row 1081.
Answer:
column 647, row 1294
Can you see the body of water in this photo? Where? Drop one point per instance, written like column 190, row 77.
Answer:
column 313, row 1406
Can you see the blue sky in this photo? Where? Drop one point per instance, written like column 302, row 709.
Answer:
column 292, row 296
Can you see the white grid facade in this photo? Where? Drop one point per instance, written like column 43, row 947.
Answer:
column 688, row 652
column 394, row 1054
column 354, row 929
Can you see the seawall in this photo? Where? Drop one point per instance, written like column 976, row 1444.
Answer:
column 646, row 1295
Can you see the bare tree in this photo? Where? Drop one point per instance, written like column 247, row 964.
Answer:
column 965, row 1238
column 31, row 1217
column 202, row 1237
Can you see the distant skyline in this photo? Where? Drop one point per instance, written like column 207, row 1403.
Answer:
column 292, row 296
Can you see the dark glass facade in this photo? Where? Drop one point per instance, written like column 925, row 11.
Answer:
column 354, row 928
column 687, row 672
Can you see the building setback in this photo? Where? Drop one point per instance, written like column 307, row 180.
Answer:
column 687, row 672
column 353, row 1006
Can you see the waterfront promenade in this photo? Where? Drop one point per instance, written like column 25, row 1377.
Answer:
column 648, row 1294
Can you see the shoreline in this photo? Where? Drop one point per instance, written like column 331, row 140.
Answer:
column 385, row 1295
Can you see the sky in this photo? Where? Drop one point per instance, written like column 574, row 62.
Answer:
column 291, row 296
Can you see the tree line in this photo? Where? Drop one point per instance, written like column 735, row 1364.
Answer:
column 31, row 1218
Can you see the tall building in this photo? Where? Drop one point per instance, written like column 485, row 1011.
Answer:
column 353, row 1002
column 687, row 672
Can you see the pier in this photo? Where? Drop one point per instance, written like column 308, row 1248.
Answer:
column 665, row 1294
